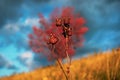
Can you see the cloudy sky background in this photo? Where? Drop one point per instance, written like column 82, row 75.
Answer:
column 18, row 16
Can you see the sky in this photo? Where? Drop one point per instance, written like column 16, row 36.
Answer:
column 17, row 17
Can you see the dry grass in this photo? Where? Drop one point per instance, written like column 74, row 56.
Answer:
column 102, row 66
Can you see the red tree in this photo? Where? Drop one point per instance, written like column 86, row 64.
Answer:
column 39, row 38
column 58, row 36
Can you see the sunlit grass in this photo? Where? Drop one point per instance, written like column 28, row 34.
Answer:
column 102, row 66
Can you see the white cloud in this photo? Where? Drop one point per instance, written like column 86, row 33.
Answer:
column 12, row 27
column 27, row 55
column 21, row 25
column 26, row 58
column 32, row 22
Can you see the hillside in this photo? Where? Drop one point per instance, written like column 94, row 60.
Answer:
column 102, row 66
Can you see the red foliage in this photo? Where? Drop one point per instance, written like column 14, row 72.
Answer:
column 38, row 40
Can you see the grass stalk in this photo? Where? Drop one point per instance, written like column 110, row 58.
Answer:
column 108, row 68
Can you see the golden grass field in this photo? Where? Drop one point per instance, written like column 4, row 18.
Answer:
column 102, row 66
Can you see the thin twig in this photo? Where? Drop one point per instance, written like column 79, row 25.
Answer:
column 60, row 64
column 68, row 58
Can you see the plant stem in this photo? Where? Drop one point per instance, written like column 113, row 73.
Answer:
column 67, row 46
column 60, row 63
column 68, row 58
column 61, row 66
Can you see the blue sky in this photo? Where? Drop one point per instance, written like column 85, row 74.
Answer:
column 18, row 16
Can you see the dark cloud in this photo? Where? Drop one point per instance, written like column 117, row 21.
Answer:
column 10, row 13
column 4, row 63
column 112, row 1
column 9, row 10
column 39, row 1
column 98, row 12
column 102, row 18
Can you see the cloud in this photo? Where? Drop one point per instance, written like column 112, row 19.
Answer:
column 39, row 1
column 96, row 11
column 9, row 10
column 18, row 17
column 12, row 27
column 17, row 39
column 16, row 20
column 112, row 1
column 17, row 33
column 26, row 59
column 101, row 16
column 4, row 63
column 32, row 61
column 99, row 42
column 32, row 22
